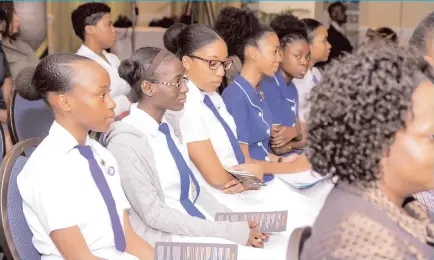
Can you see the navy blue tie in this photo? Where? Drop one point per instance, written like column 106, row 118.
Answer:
column 104, row 189
column 234, row 142
column 185, row 174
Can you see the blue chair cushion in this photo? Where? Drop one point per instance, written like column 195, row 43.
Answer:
column 20, row 231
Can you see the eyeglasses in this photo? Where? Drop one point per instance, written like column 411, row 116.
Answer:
column 172, row 84
column 215, row 64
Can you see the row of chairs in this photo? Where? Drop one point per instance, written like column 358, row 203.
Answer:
column 30, row 121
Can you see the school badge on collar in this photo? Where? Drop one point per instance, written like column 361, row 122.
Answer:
column 111, row 171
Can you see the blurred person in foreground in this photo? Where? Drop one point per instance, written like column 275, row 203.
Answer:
column 423, row 41
column 372, row 126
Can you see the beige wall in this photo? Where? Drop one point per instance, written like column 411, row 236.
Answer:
column 393, row 14
column 277, row 7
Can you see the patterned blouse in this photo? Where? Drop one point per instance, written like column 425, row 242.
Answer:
column 362, row 223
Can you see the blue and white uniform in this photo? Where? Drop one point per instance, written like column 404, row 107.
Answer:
column 282, row 100
column 254, row 118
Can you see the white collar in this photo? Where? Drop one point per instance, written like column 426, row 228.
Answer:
column 338, row 27
column 194, row 90
column 87, row 52
column 67, row 141
column 144, row 120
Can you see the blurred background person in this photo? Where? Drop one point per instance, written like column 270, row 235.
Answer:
column 336, row 32
column 382, row 33
column 19, row 54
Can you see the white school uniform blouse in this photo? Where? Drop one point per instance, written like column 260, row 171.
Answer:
column 168, row 172
column 59, row 192
column 198, row 123
column 304, row 87
column 119, row 88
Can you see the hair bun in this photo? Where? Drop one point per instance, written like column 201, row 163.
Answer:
column 131, row 71
column 170, row 37
column 24, row 85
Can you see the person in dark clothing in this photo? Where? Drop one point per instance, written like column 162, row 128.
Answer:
column 336, row 34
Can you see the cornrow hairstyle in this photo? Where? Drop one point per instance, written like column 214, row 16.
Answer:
column 132, row 70
column 54, row 73
column 311, row 25
column 289, row 29
column 360, row 104
column 191, row 39
column 232, row 23
column 87, row 14
column 422, row 33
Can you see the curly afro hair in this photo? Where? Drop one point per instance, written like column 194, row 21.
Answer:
column 289, row 29
column 232, row 24
column 362, row 101
column 240, row 28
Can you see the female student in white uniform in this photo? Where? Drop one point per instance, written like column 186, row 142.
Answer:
column 319, row 52
column 72, row 195
column 168, row 203
column 210, row 131
column 92, row 23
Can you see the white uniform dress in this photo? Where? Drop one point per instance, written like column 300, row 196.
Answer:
column 198, row 123
column 59, row 192
column 168, row 174
column 119, row 88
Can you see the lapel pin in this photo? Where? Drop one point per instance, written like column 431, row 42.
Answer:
column 111, row 171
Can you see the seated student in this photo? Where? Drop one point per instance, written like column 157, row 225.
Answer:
column 319, row 52
column 259, row 49
column 422, row 41
column 381, row 146
column 210, row 131
column 72, row 195
column 281, row 96
column 280, row 93
column 92, row 23
column 155, row 169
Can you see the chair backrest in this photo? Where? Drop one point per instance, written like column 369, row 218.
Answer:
column 2, row 143
column 29, row 119
column 296, row 242
column 17, row 243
